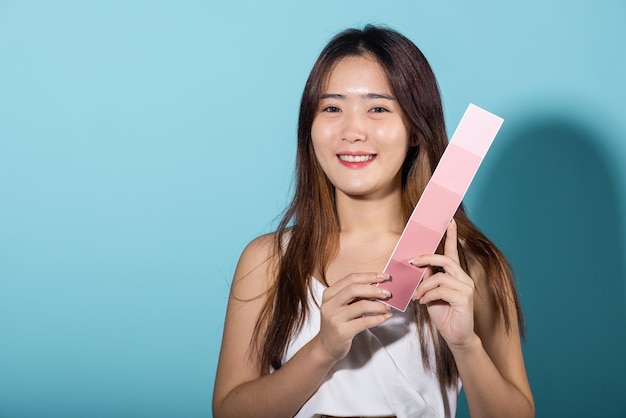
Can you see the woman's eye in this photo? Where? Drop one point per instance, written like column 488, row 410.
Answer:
column 378, row 109
column 331, row 109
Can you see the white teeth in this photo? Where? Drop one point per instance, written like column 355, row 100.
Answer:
column 355, row 158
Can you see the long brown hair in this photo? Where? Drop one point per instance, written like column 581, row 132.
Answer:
column 307, row 237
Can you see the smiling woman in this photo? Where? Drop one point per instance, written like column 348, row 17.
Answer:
column 359, row 135
column 302, row 311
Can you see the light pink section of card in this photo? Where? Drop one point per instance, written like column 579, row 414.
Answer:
column 457, row 174
column 477, row 130
column 439, row 202
column 437, row 206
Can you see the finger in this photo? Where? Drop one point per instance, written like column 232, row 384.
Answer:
column 443, row 280
column 357, row 278
column 363, row 307
column 448, row 264
column 446, row 294
column 450, row 247
column 440, row 295
column 363, row 322
column 348, row 318
column 428, row 272
column 357, row 285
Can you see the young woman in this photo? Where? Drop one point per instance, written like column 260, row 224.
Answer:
column 304, row 334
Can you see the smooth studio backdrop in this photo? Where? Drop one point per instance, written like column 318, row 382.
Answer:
column 144, row 143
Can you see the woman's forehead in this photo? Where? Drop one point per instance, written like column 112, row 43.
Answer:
column 357, row 75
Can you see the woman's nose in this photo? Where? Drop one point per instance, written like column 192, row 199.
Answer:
column 353, row 128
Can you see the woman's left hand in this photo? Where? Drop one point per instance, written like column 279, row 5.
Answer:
column 449, row 295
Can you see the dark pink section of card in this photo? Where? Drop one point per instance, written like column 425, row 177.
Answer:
column 404, row 280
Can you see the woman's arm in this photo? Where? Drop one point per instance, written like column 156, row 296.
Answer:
column 492, row 367
column 489, row 359
column 240, row 389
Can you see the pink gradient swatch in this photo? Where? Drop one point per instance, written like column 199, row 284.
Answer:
column 439, row 202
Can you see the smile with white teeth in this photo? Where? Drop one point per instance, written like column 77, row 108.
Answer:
column 355, row 158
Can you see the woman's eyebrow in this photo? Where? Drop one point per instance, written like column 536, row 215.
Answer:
column 332, row 96
column 378, row 96
column 363, row 96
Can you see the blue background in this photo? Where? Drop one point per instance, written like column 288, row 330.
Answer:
column 144, row 143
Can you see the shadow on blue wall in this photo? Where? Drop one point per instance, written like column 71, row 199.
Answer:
column 548, row 199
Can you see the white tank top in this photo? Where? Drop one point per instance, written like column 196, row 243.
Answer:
column 382, row 375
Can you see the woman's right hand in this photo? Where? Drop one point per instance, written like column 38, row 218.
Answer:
column 349, row 307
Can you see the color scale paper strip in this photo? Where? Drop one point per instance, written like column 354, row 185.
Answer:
column 439, row 202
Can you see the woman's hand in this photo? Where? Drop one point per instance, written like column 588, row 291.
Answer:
column 449, row 295
column 348, row 307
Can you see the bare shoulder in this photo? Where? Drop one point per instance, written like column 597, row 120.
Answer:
column 250, row 290
column 255, row 269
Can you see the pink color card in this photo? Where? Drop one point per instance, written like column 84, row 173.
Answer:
column 439, row 202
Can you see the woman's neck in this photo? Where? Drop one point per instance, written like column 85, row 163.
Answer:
column 363, row 216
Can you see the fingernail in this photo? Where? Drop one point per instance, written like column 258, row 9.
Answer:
column 385, row 293
column 383, row 276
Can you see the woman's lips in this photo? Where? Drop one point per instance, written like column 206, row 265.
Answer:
column 356, row 160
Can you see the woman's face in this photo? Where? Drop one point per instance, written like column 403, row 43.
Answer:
column 358, row 132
